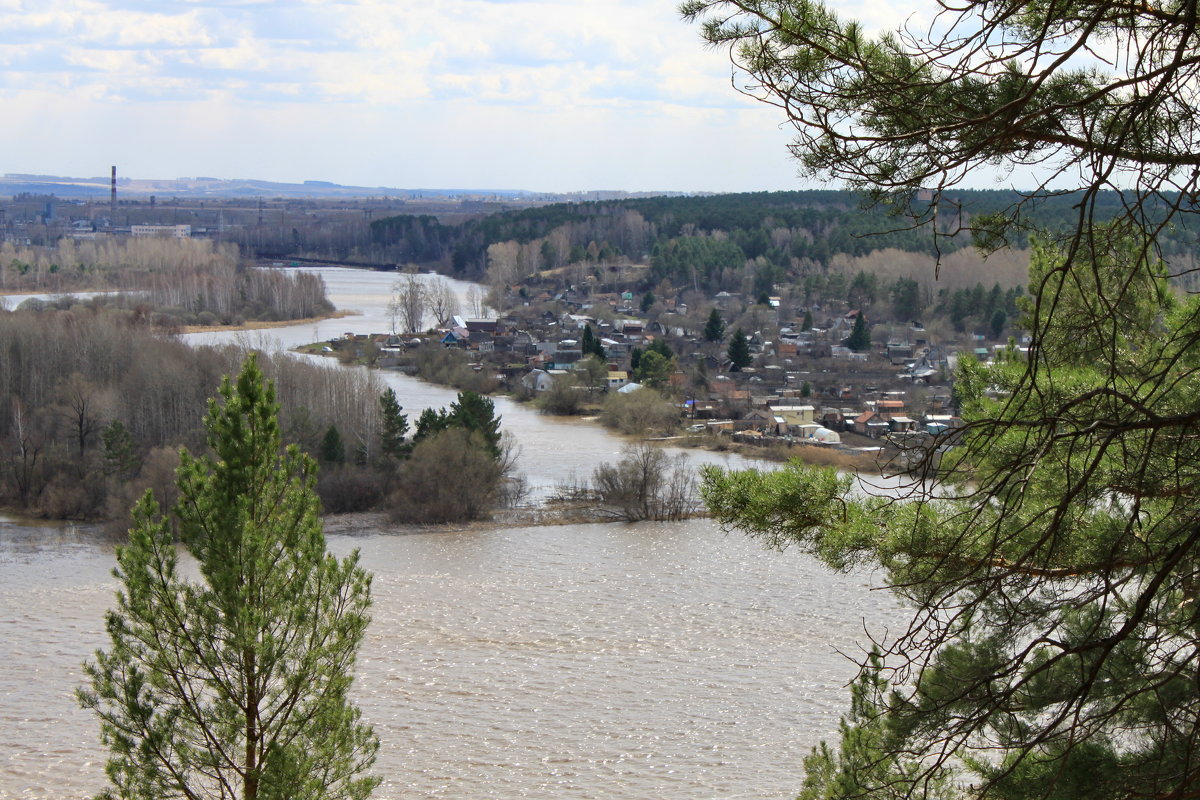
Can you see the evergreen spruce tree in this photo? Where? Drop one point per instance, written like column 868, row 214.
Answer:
column 430, row 422
column 235, row 684
column 860, row 337
column 476, row 412
column 655, row 369
column 739, row 351
column 395, row 425
column 590, row 344
column 472, row 412
column 661, row 347
column 714, row 329
column 998, row 321
column 333, row 449
column 120, row 457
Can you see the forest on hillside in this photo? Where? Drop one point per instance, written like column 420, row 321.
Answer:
column 811, row 246
column 729, row 231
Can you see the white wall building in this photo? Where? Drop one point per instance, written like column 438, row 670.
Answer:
column 166, row 231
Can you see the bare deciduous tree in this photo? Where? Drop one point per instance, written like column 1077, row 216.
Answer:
column 503, row 264
column 647, row 484
column 82, row 405
column 409, row 303
column 443, row 302
column 120, row 370
column 475, row 301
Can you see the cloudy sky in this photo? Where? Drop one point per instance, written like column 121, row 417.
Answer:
column 545, row 95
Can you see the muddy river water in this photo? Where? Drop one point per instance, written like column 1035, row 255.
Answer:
column 589, row 661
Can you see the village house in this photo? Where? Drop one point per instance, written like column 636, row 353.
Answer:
column 614, row 349
column 899, row 353
column 766, row 420
column 871, row 424
column 633, row 330
column 616, row 379
column 832, row 418
column 795, row 415
column 889, row 407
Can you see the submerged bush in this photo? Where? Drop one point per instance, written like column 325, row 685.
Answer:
column 647, row 484
column 640, row 412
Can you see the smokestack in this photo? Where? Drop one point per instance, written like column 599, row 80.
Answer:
column 113, row 199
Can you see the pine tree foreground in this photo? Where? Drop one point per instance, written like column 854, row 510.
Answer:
column 1051, row 552
column 235, row 685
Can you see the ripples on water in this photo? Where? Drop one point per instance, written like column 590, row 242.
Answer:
column 616, row 661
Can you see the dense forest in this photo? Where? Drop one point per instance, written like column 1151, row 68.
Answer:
column 94, row 405
column 701, row 240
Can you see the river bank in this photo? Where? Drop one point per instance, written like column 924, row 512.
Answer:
column 258, row 325
column 856, row 453
column 364, row 523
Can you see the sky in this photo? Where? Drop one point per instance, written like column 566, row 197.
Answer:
column 542, row 95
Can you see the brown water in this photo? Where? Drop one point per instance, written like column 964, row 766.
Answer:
column 591, row 661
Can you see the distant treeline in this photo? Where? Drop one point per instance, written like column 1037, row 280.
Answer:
column 172, row 281
column 108, row 262
column 632, row 228
column 714, row 233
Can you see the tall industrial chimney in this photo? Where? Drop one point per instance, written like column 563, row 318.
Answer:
column 112, row 202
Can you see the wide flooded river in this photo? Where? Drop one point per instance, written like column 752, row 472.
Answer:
column 603, row 661
column 590, row 661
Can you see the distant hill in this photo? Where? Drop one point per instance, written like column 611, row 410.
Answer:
column 16, row 183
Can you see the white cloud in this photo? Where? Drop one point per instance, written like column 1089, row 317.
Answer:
column 544, row 94
column 129, row 29
column 371, row 51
